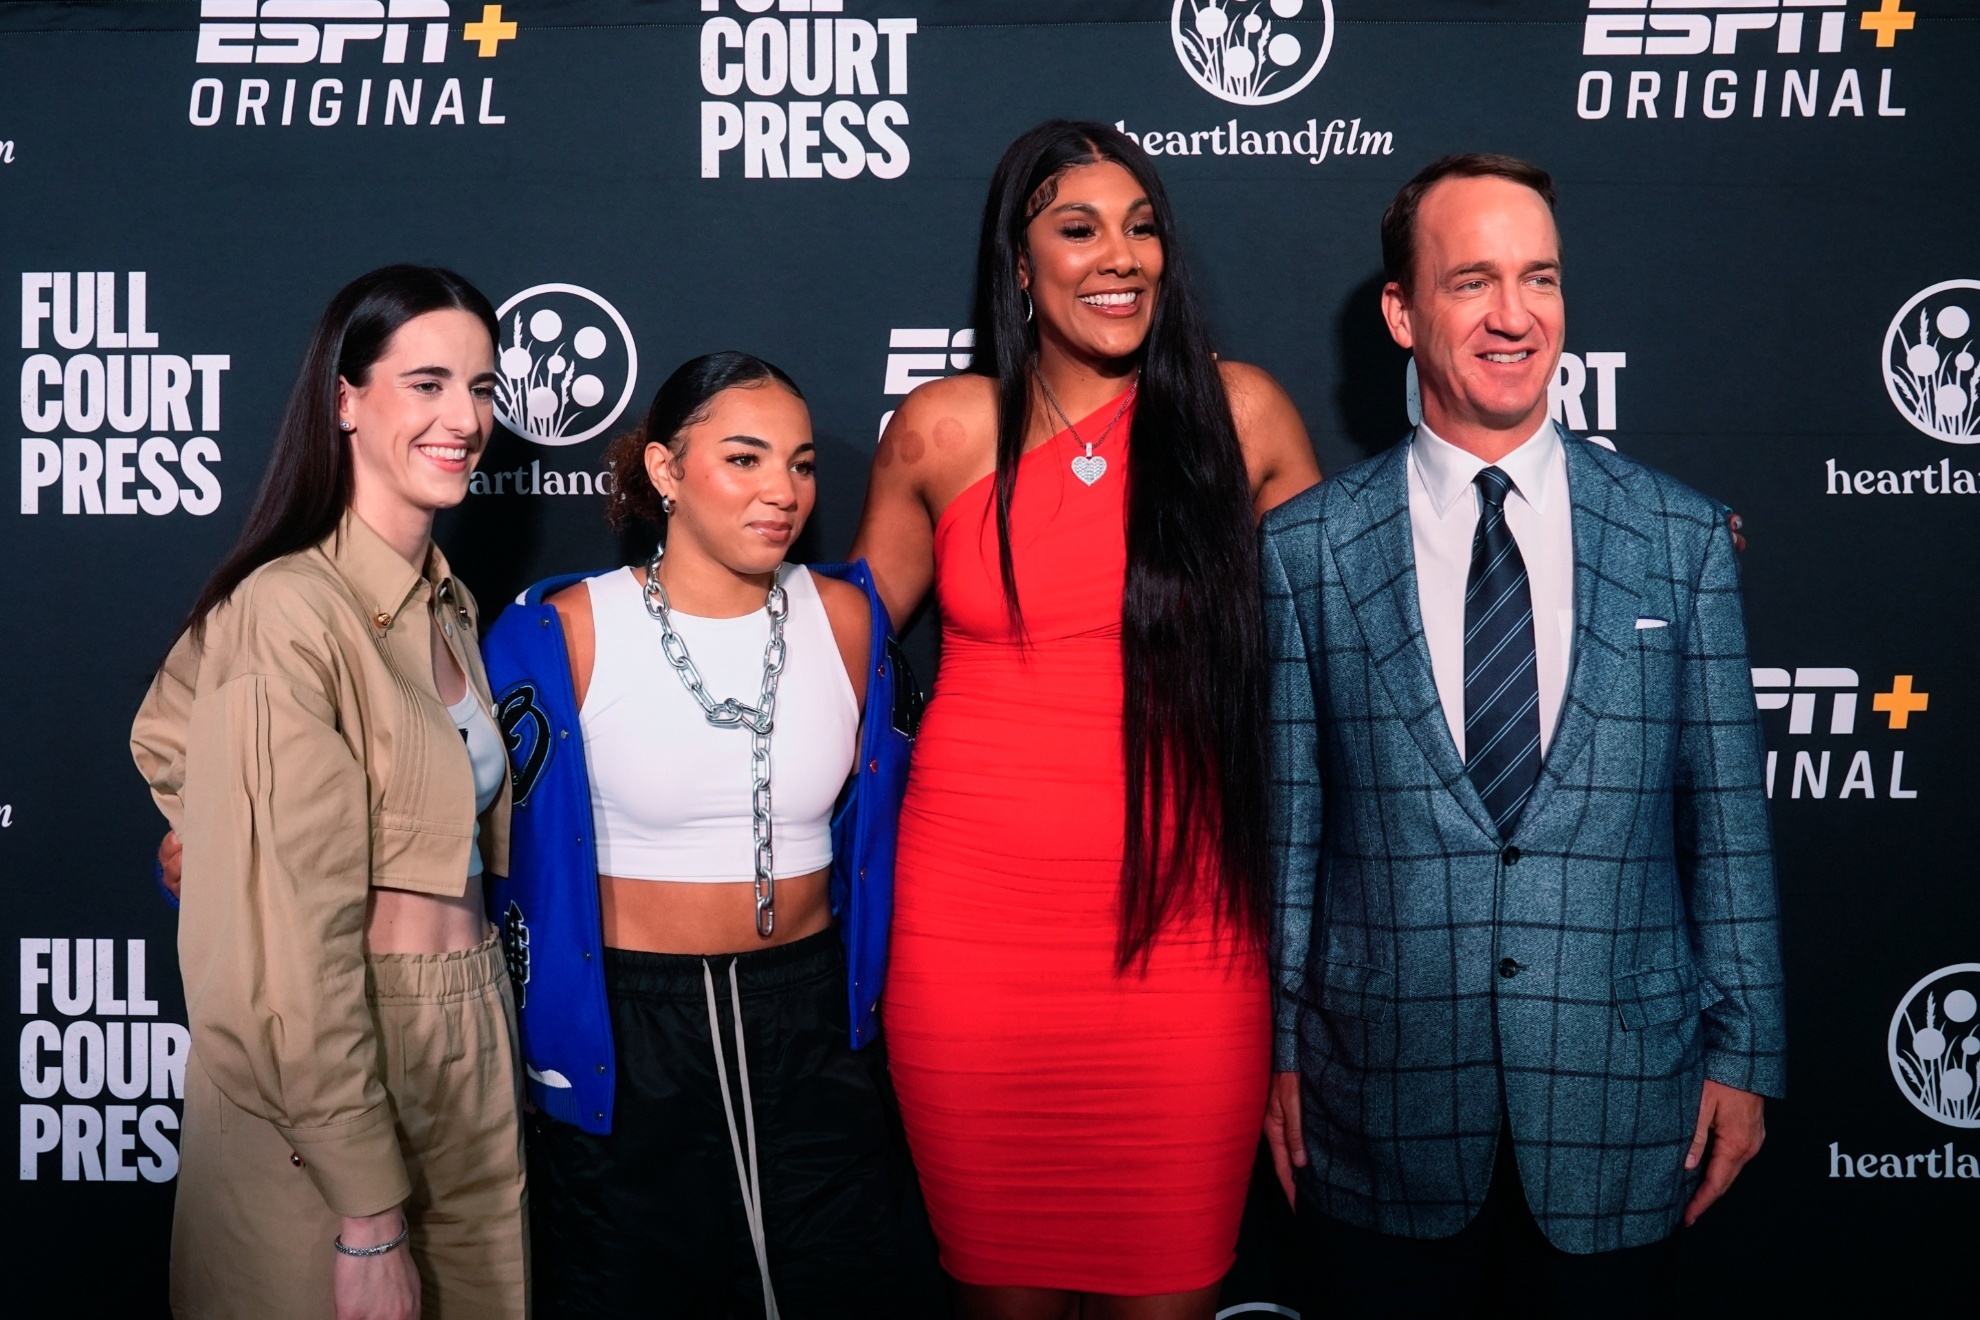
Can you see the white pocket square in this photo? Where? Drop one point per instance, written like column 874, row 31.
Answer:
column 1652, row 623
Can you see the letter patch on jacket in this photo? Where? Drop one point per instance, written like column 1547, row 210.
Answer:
column 908, row 701
column 526, row 731
column 515, row 951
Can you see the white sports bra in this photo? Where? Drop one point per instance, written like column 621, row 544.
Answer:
column 488, row 758
column 670, row 793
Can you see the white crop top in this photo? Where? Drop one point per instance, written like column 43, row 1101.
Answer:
column 488, row 758
column 670, row 792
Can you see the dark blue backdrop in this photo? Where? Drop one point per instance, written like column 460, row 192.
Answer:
column 1772, row 277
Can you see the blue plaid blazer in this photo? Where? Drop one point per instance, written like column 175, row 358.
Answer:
column 1636, row 894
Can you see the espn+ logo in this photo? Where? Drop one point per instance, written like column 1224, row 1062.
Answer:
column 1730, row 32
column 287, row 41
column 107, row 426
column 325, row 32
column 1821, row 701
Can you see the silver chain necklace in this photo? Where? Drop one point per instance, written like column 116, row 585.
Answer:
column 729, row 713
column 1088, row 467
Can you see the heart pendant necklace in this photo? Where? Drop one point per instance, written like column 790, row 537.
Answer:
column 1089, row 467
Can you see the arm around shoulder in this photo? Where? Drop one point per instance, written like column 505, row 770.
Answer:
column 931, row 448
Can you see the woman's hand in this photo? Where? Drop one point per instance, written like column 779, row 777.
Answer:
column 171, row 854
column 376, row 1287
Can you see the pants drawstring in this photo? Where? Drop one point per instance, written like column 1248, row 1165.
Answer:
column 752, row 1195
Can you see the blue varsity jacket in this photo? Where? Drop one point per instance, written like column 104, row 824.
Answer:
column 546, row 908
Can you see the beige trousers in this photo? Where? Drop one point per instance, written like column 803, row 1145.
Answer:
column 251, row 1237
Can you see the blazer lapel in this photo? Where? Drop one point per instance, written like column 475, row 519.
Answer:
column 1610, row 551
column 1377, row 560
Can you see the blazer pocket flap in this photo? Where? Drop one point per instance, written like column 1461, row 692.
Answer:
column 1664, row 994
column 1355, row 990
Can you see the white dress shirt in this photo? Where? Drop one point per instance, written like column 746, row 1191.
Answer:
column 1443, row 518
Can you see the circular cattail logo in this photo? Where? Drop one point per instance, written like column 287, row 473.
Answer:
column 1252, row 52
column 566, row 364
column 1935, row 1045
column 1929, row 360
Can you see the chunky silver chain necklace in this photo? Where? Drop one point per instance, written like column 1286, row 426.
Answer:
column 728, row 713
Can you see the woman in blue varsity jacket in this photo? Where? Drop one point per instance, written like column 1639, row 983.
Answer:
column 708, row 753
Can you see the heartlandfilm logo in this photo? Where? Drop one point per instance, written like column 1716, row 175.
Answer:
column 1935, row 1046
column 1258, row 53
column 1254, row 53
column 568, row 364
column 1929, row 362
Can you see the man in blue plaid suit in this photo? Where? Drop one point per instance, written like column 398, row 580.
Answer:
column 1526, row 953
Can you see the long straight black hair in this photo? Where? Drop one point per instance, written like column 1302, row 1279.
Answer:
column 308, row 485
column 1192, row 631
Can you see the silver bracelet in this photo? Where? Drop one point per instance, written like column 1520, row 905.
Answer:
column 379, row 1250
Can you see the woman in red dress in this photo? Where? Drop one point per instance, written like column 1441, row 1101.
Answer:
column 1076, row 1004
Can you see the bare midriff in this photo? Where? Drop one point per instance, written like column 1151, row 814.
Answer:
column 401, row 921
column 692, row 916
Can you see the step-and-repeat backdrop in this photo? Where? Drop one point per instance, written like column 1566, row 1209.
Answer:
column 1774, row 292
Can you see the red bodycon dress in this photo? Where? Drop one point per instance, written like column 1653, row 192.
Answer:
column 1074, row 1127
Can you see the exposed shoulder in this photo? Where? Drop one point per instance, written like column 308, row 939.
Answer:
column 1249, row 386
column 1260, row 406
column 844, row 603
column 1277, row 449
column 574, row 599
column 943, row 423
column 851, row 620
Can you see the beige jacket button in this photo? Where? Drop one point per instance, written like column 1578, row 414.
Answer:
column 382, row 619
column 295, row 1159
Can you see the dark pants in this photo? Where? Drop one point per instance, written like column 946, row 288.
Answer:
column 1501, row 1264
column 649, row 1220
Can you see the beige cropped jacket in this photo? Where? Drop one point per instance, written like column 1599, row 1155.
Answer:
column 303, row 753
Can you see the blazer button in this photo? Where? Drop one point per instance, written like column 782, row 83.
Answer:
column 1510, row 855
column 382, row 619
column 296, row 1159
column 1509, row 968
column 873, row 767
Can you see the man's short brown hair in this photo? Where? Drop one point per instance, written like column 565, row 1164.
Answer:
column 1399, row 221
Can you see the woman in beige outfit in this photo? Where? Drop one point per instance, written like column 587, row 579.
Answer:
column 322, row 740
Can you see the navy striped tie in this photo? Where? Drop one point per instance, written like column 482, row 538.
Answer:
column 1501, row 693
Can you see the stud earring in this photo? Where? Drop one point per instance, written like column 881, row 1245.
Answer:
column 346, row 426
column 667, row 505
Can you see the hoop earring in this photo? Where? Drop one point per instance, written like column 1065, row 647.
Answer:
column 1027, row 306
column 667, row 505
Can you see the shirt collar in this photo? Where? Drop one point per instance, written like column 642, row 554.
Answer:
column 1447, row 471
column 379, row 575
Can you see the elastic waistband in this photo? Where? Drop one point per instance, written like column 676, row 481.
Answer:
column 759, row 971
column 434, row 977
